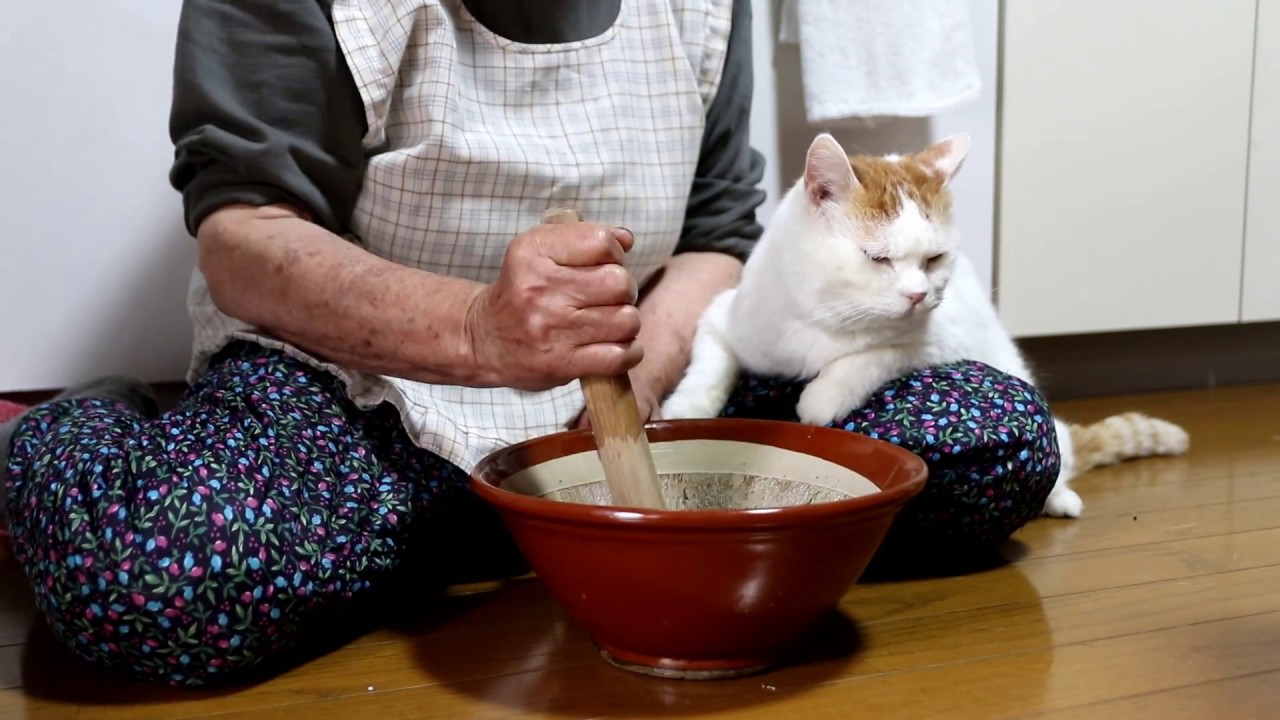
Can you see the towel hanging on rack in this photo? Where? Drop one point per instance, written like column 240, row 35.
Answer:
column 866, row 59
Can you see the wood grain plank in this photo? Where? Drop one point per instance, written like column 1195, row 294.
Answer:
column 1001, row 617
column 16, row 706
column 1142, row 487
column 1122, row 530
column 1069, row 619
column 1251, row 696
column 1002, row 686
column 1047, row 577
column 1060, row 678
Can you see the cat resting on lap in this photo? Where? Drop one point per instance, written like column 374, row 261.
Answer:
column 859, row 280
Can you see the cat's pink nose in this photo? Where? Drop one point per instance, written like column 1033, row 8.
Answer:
column 916, row 298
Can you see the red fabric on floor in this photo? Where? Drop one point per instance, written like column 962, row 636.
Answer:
column 8, row 410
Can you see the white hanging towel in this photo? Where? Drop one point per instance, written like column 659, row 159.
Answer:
column 867, row 59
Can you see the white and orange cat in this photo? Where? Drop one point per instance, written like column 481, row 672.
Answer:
column 859, row 280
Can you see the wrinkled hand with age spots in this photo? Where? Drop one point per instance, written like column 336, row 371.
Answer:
column 562, row 307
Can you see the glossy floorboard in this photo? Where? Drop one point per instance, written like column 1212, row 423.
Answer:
column 1162, row 602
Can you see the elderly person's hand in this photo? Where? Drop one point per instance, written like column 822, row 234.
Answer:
column 562, row 308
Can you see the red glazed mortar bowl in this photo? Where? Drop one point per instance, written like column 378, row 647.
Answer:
column 697, row 593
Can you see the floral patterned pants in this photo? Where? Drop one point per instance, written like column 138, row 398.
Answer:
column 196, row 546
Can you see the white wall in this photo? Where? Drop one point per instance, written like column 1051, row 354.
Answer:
column 94, row 260
column 780, row 132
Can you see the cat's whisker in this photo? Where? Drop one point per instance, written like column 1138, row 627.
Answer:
column 843, row 313
column 839, row 307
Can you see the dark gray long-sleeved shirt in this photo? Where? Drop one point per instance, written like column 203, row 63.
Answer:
column 265, row 111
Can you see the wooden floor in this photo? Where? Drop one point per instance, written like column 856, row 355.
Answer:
column 1163, row 602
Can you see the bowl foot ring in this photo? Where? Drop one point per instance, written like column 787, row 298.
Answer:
column 677, row 673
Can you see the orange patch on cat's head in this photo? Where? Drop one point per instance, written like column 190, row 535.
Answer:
column 884, row 182
column 873, row 189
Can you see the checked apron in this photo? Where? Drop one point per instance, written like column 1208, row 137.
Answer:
column 472, row 136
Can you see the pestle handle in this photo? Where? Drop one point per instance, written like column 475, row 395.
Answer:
column 621, row 442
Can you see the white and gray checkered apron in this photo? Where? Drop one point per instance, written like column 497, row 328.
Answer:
column 472, row 136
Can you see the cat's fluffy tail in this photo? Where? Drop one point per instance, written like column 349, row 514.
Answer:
column 1123, row 437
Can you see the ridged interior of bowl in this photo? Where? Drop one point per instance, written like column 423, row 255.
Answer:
column 704, row 475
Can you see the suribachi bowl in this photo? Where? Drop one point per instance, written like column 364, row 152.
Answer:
column 771, row 524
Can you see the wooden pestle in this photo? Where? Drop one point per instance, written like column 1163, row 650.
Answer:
column 621, row 443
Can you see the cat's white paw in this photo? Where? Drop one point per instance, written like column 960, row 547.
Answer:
column 688, row 406
column 1063, row 502
column 819, row 405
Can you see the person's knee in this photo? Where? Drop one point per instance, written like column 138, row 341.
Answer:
column 186, row 628
column 993, row 457
column 1027, row 454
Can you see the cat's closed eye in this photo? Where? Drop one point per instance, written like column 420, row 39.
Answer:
column 878, row 259
column 934, row 259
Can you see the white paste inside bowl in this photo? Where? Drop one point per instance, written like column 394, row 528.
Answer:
column 704, row 475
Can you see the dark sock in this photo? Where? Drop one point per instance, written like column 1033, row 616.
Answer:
column 131, row 392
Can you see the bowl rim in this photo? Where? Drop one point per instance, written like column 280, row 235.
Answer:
column 485, row 478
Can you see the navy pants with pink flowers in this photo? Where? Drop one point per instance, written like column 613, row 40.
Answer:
column 197, row 546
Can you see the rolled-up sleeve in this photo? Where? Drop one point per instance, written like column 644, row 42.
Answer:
column 264, row 111
column 721, row 215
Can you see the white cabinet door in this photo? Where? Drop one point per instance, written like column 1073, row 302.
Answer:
column 1261, row 293
column 1123, row 163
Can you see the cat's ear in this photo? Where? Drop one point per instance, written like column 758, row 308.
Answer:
column 946, row 156
column 827, row 171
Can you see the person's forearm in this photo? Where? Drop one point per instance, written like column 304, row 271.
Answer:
column 670, row 310
column 294, row 280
